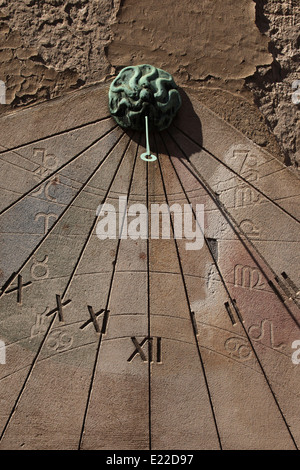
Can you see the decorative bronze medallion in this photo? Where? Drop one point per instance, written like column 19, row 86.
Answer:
column 140, row 91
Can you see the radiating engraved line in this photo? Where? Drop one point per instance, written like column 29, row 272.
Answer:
column 195, row 323
column 95, row 221
column 81, row 126
column 148, row 310
column 231, row 221
column 95, row 142
column 189, row 307
column 65, row 210
column 12, row 412
column 92, row 189
column 19, row 288
column 239, row 176
column 230, row 314
column 97, row 356
column 55, row 314
column 238, row 315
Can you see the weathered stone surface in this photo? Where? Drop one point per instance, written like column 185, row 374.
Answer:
column 141, row 343
column 219, row 339
column 274, row 86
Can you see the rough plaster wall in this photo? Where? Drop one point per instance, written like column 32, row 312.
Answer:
column 211, row 46
column 272, row 85
column 49, row 47
column 195, row 40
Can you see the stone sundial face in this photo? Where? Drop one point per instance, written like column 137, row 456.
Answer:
column 142, row 343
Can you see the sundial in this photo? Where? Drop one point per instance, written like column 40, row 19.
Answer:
column 145, row 342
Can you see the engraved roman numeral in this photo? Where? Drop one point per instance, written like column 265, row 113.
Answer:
column 59, row 308
column 139, row 349
column 94, row 320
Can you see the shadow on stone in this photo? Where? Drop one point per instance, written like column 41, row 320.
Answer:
column 186, row 121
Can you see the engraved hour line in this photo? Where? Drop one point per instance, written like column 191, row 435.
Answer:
column 92, row 229
column 58, row 298
column 283, row 287
column 96, row 218
column 236, row 308
column 65, row 210
column 8, row 282
column 46, row 335
column 81, row 126
column 238, row 175
column 25, row 381
column 228, row 217
column 55, row 172
column 189, row 307
column 97, row 356
column 52, row 321
column 148, row 311
column 233, row 302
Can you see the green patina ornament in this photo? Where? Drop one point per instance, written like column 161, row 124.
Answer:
column 144, row 90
